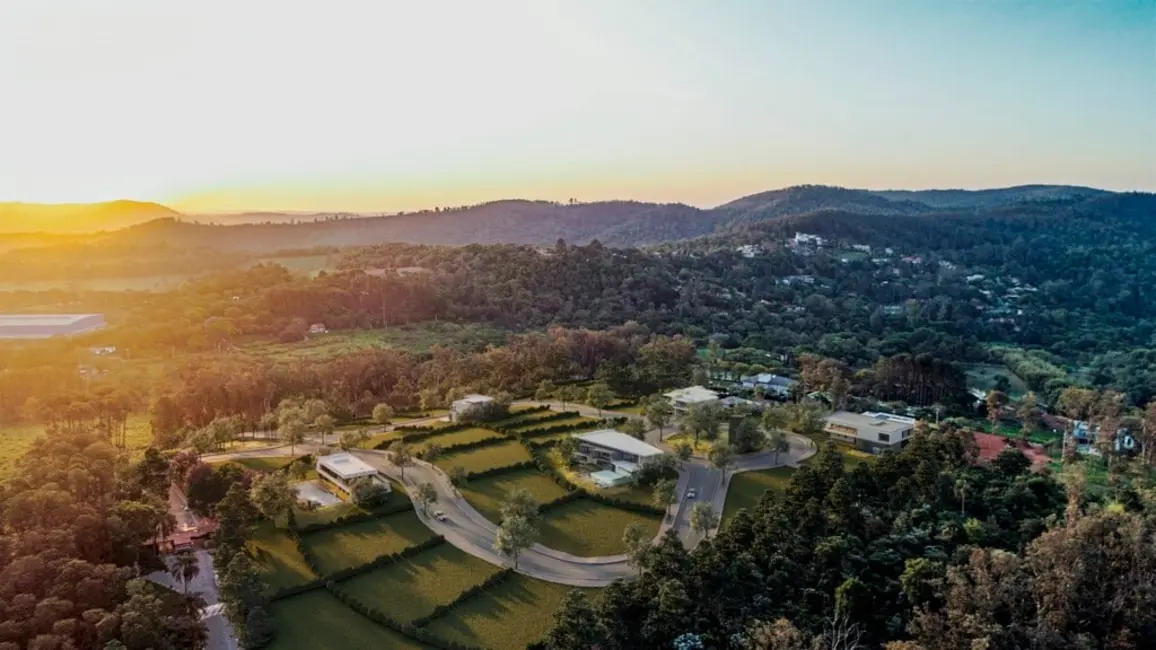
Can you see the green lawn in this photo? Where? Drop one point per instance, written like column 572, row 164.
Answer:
column 356, row 544
column 486, row 494
column 277, row 558
column 317, row 620
column 15, row 441
column 414, row 338
column 577, row 419
column 983, row 376
column 413, row 587
column 473, row 434
column 522, row 418
column 587, row 528
column 476, row 460
column 515, row 613
column 263, row 464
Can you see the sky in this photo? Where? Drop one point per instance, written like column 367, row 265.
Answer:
column 383, row 105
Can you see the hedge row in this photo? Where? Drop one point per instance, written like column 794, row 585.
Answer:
column 462, row 446
column 562, row 428
column 514, row 416
column 526, row 464
column 466, row 594
column 358, row 517
column 286, row 592
column 561, row 415
column 385, row 560
column 381, row 618
column 569, row 497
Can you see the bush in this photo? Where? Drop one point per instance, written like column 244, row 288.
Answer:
column 369, row 493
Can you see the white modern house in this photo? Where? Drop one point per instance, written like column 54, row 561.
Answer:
column 470, row 407
column 870, row 431
column 771, row 383
column 342, row 469
column 618, row 454
column 684, row 398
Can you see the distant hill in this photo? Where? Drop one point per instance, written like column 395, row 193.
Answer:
column 73, row 218
column 541, row 223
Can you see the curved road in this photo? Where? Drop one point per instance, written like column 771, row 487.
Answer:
column 467, row 529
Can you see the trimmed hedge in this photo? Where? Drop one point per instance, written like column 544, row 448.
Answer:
column 462, row 446
column 385, row 560
column 357, row 517
column 286, row 592
column 569, row 497
column 561, row 415
column 466, row 594
column 514, row 416
column 562, row 428
column 381, row 618
column 526, row 464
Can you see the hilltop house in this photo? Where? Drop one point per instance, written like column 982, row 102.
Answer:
column 771, row 384
column 618, row 454
column 874, row 432
column 343, row 469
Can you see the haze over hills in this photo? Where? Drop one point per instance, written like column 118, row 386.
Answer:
column 614, row 223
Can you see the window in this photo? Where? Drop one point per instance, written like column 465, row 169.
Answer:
column 884, row 437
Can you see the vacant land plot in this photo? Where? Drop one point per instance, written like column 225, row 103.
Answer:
column 587, row 528
column 414, row 338
column 356, row 544
column 474, row 434
column 487, row 494
column 521, row 418
column 414, row 586
column 747, row 488
column 985, row 376
column 317, row 619
column 533, row 424
column 17, row 440
column 476, row 460
column 515, row 613
column 277, row 558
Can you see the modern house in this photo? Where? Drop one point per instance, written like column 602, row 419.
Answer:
column 873, row 432
column 684, row 398
column 470, row 407
column 343, row 469
column 771, row 384
column 618, row 454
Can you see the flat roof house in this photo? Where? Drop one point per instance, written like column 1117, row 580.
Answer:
column 771, row 383
column 469, row 406
column 343, row 468
column 684, row 398
column 619, row 454
column 874, row 432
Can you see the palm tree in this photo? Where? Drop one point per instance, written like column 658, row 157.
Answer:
column 185, row 568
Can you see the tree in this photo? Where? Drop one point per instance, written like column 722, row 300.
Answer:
column 996, row 400
column 368, row 493
column 634, row 427
column 703, row 421
column 272, row 495
column 1028, row 413
column 519, row 503
column 426, row 494
column 545, row 391
column 664, row 493
column 352, row 439
column 637, row 544
column 235, row 517
column 400, row 456
column 780, row 635
column 570, row 394
column 291, row 427
column 746, row 435
column 1075, row 403
column 241, row 590
column 777, row 442
column 703, row 518
column 324, row 425
column 299, row 469
column 515, row 534
column 259, row 628
column 720, row 455
column 658, row 413
column 185, row 567
column 599, row 396
column 430, row 452
column 567, row 447
column 575, row 624
column 458, row 476
column 382, row 414
column 684, row 450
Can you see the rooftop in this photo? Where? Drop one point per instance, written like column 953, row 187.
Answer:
column 475, row 399
column 619, row 441
column 346, row 465
column 771, row 379
column 879, row 422
column 692, row 394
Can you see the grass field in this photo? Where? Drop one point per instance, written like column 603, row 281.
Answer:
column 317, row 619
column 983, row 376
column 476, row 460
column 277, row 558
column 515, row 613
column 531, row 424
column 414, row 586
column 521, row 419
column 486, row 494
column 588, row 528
column 413, row 338
column 15, row 441
column 356, row 544
column 474, row 434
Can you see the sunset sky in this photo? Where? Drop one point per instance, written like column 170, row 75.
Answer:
column 383, row 105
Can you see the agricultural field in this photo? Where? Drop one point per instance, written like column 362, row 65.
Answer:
column 474, row 434
column 413, row 587
column 588, row 528
column 985, row 377
column 15, row 441
column 316, row 619
column 486, row 494
column 356, row 544
column 476, row 460
column 513, row 614
column 277, row 558
column 413, row 338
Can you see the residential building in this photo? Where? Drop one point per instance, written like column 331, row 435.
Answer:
column 342, row 469
column 684, row 398
column 318, row 328
column 470, row 407
column 618, row 454
column 771, row 384
column 804, row 239
column 748, row 250
column 870, row 431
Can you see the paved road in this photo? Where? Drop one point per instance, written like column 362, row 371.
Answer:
column 221, row 635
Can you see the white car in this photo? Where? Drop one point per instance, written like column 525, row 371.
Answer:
column 690, row 494
column 439, row 515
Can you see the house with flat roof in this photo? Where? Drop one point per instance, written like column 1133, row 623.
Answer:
column 870, row 431
column 618, row 454
column 342, row 469
column 771, row 383
column 684, row 398
column 470, row 407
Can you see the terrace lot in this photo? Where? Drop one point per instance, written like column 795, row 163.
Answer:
column 356, row 544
